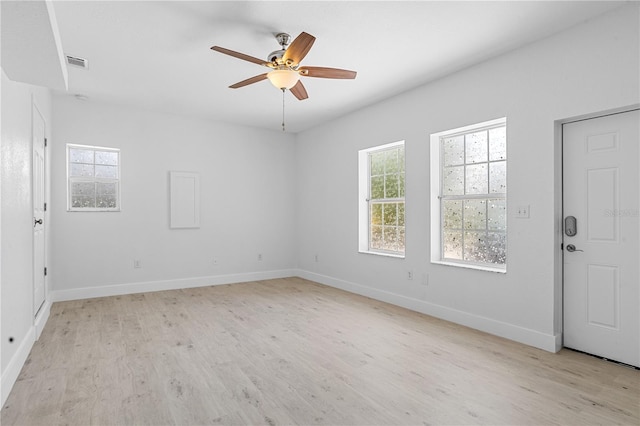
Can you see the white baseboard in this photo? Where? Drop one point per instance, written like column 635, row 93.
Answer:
column 547, row 342
column 42, row 317
column 150, row 286
column 11, row 373
column 559, row 343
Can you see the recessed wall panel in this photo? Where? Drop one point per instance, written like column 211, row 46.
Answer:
column 184, row 195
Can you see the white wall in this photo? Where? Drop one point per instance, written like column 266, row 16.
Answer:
column 256, row 184
column 247, row 203
column 590, row 68
column 16, row 229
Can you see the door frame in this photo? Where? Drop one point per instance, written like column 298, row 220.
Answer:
column 558, row 322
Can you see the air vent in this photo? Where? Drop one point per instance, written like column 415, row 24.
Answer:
column 77, row 62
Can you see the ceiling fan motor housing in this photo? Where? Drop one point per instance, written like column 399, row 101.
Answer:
column 276, row 56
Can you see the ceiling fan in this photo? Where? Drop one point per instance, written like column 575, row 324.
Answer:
column 285, row 65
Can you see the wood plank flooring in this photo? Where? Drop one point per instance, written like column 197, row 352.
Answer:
column 291, row 351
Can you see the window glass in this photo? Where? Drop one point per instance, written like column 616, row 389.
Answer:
column 472, row 195
column 383, row 172
column 93, row 175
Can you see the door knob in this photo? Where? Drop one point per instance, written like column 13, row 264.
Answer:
column 37, row 222
column 571, row 248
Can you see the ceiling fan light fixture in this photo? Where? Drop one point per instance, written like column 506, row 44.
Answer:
column 283, row 79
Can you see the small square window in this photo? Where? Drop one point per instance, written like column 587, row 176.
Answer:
column 93, row 177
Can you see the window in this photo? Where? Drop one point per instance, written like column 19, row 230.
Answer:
column 469, row 189
column 93, row 178
column 382, row 227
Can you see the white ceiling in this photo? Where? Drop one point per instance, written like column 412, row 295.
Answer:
column 155, row 54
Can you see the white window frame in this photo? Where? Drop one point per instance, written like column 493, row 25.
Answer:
column 364, row 190
column 436, row 162
column 71, row 179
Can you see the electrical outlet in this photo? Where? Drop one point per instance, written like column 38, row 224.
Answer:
column 137, row 264
column 410, row 274
column 522, row 212
column 260, row 257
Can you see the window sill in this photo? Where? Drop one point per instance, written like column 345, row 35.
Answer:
column 377, row 253
column 93, row 210
column 470, row 266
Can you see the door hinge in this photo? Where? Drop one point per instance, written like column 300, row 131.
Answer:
column 45, row 207
column 45, row 142
column 45, row 272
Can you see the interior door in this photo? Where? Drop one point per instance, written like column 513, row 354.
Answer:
column 38, row 191
column 601, row 254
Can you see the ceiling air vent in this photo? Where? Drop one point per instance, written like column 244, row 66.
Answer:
column 78, row 62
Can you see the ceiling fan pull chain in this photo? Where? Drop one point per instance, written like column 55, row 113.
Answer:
column 283, row 109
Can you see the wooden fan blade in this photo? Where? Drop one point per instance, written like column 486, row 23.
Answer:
column 298, row 49
column 299, row 91
column 239, row 55
column 249, row 81
column 324, row 72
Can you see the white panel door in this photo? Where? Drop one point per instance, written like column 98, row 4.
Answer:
column 38, row 190
column 601, row 261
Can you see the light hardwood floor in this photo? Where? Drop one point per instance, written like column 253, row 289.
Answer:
column 290, row 351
